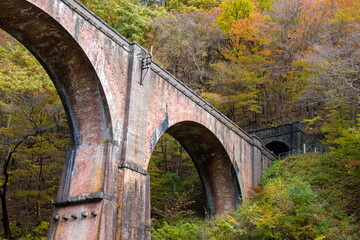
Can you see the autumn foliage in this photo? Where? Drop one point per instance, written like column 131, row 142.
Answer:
column 260, row 62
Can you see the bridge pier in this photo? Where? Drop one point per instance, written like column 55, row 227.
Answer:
column 86, row 205
column 99, row 198
column 133, row 220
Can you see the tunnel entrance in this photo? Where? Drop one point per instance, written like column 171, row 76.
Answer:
column 277, row 147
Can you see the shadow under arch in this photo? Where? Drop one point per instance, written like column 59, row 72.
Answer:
column 67, row 65
column 219, row 179
column 277, row 147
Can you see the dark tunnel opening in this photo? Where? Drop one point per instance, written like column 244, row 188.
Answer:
column 277, row 147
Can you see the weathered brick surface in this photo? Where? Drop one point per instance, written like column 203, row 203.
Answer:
column 117, row 113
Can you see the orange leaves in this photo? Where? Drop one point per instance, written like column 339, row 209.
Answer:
column 245, row 36
column 354, row 162
column 245, row 27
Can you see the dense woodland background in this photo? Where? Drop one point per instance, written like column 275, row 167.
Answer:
column 260, row 62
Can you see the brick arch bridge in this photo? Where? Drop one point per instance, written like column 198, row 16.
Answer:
column 118, row 107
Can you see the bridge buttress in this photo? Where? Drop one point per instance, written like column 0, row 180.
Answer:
column 133, row 220
column 256, row 161
column 87, row 201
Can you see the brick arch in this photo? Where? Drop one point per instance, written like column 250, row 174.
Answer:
column 67, row 65
column 83, row 97
column 218, row 176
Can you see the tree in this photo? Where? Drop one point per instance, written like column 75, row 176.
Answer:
column 334, row 62
column 129, row 17
column 186, row 43
column 235, row 91
column 231, row 11
column 176, row 190
column 186, row 5
column 335, row 59
column 33, row 137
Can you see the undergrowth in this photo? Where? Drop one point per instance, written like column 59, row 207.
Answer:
column 311, row 196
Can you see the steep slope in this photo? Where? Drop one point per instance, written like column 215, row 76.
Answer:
column 311, row 196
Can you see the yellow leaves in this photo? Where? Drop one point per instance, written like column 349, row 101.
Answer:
column 264, row 216
column 20, row 71
column 349, row 14
column 313, row 120
column 231, row 219
column 212, row 98
column 248, row 42
column 232, row 11
column 277, row 194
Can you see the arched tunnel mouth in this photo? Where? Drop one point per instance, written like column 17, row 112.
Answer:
column 277, row 147
column 218, row 176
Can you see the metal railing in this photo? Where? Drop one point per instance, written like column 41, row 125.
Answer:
column 300, row 151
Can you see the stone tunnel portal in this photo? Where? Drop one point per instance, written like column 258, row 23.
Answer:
column 213, row 164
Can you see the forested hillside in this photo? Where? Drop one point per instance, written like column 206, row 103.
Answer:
column 260, row 62
column 313, row 196
column 33, row 139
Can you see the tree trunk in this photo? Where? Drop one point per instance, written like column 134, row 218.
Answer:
column 164, row 152
column 39, row 188
column 5, row 216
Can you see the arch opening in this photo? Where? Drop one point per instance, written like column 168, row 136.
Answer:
column 176, row 190
column 277, row 147
column 218, row 177
column 72, row 73
column 67, row 65
column 36, row 135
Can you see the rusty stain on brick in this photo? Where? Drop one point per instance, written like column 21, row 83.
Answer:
column 83, row 198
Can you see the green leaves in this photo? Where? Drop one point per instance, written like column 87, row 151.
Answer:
column 176, row 190
column 20, row 71
column 128, row 17
column 181, row 231
column 291, row 204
